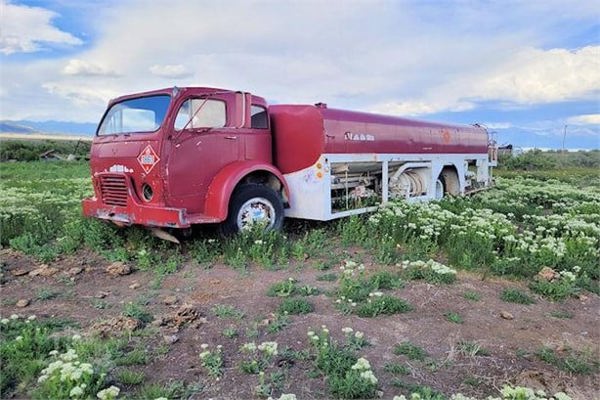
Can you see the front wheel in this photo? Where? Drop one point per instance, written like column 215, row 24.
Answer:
column 252, row 205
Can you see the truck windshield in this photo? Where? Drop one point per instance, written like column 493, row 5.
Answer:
column 144, row 114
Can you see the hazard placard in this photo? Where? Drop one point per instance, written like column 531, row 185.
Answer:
column 148, row 159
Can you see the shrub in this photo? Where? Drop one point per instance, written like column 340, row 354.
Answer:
column 295, row 307
column 512, row 295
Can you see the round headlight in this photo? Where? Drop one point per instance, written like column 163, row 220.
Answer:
column 147, row 192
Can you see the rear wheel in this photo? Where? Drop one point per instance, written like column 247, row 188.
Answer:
column 252, row 205
column 439, row 188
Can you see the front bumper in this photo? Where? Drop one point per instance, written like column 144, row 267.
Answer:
column 117, row 201
column 136, row 213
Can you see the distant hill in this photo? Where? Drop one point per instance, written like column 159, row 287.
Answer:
column 14, row 127
column 526, row 139
column 51, row 127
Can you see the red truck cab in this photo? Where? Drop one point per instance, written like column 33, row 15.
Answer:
column 174, row 157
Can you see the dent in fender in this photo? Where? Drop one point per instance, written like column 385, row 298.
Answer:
column 223, row 184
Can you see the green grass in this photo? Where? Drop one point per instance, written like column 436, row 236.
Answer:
column 396, row 369
column 471, row 349
column 130, row 377
column 517, row 296
column 137, row 356
column 295, row 306
column 423, row 392
column 454, row 317
column 561, row 314
column 384, row 305
column 279, row 322
column 328, row 277
column 44, row 294
column 570, row 360
column 284, row 288
column 472, row 295
column 137, row 311
column 226, row 311
column 230, row 332
column 24, row 352
column 411, row 351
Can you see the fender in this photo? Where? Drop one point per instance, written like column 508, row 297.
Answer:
column 219, row 192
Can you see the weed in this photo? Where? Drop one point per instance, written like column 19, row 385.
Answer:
column 396, row 369
column 471, row 349
column 385, row 280
column 283, row 289
column 419, row 391
column 382, row 305
column 411, row 351
column 295, row 307
column 308, row 290
column 512, row 295
column 430, row 271
column 130, row 377
column 226, row 311
column 561, row 314
column 454, row 317
column 162, row 350
column 252, row 331
column 137, row 311
column 353, row 230
column 205, row 251
column 329, row 277
column 230, row 332
column 212, row 361
column 23, row 352
column 279, row 322
column 100, row 304
column 472, row 295
column 473, row 381
column 556, row 290
column 267, row 384
column 170, row 390
column 46, row 294
column 137, row 356
column 570, row 361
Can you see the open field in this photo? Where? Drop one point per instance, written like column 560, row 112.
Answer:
column 473, row 296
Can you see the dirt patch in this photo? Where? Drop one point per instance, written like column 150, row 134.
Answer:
column 508, row 346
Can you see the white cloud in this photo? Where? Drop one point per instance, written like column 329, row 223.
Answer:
column 25, row 29
column 586, row 119
column 174, row 71
column 84, row 68
column 80, row 95
column 530, row 76
column 498, row 125
column 406, row 58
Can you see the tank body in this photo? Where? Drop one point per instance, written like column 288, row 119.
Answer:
column 301, row 133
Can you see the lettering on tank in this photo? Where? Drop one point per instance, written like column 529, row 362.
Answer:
column 359, row 137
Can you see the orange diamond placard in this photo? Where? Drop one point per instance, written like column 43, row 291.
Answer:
column 148, row 159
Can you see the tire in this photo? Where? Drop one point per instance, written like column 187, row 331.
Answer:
column 440, row 188
column 252, row 203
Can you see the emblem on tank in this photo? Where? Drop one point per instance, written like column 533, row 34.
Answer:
column 148, row 159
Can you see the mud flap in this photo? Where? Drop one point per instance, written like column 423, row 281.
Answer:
column 164, row 235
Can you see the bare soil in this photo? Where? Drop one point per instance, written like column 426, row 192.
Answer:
column 93, row 296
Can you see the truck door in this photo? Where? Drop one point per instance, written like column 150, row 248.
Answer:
column 201, row 144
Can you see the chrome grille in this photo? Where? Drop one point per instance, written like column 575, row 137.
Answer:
column 113, row 190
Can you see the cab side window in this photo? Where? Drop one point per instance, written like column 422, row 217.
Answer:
column 259, row 117
column 201, row 113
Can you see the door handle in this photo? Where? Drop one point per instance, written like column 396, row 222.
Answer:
column 231, row 137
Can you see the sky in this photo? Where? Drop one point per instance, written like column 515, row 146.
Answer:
column 524, row 69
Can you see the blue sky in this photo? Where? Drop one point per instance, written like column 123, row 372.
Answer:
column 523, row 68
